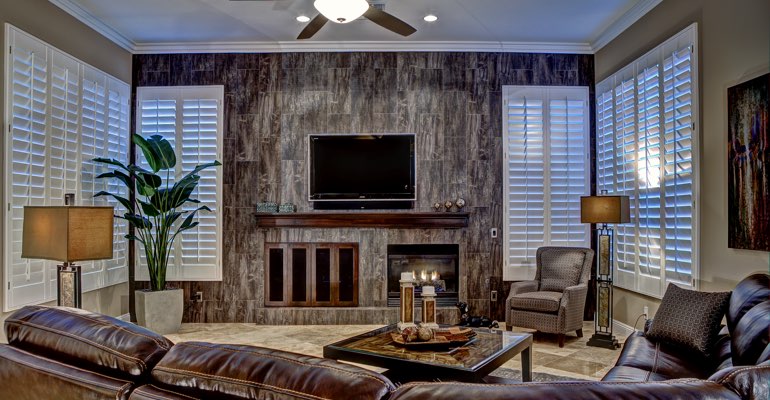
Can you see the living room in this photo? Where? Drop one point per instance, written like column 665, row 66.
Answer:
column 451, row 91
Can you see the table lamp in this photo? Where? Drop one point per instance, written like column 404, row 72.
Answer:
column 67, row 234
column 604, row 210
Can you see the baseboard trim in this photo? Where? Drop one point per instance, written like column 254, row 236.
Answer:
column 622, row 330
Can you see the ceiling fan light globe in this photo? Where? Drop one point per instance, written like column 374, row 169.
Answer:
column 341, row 11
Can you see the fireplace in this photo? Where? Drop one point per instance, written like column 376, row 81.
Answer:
column 435, row 265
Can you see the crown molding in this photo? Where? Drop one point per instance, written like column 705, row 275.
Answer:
column 384, row 46
column 613, row 30
column 624, row 22
column 94, row 23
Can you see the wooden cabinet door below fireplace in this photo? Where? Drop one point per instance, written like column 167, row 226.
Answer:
column 311, row 274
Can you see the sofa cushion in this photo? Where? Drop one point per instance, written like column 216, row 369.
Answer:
column 24, row 375
column 151, row 392
column 751, row 335
column 632, row 374
column 748, row 293
column 209, row 370
column 560, row 268
column 689, row 319
column 537, row 301
column 661, row 359
column 89, row 340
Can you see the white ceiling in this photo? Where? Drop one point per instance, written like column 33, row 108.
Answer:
column 224, row 25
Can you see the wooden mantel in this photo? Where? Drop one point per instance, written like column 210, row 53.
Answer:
column 402, row 220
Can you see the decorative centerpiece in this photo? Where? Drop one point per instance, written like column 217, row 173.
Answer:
column 429, row 307
column 424, row 337
column 406, row 310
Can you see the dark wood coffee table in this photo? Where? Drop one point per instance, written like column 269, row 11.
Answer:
column 468, row 363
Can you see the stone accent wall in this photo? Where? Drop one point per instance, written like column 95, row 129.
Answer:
column 452, row 101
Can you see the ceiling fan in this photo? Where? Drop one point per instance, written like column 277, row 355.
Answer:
column 344, row 11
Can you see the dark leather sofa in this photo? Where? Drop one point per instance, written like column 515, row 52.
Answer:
column 61, row 353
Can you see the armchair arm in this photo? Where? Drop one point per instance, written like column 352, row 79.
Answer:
column 521, row 287
column 573, row 301
column 575, row 296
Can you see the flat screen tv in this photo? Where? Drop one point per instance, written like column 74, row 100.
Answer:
column 355, row 169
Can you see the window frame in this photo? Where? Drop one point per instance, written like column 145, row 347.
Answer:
column 636, row 280
column 179, row 94
column 546, row 94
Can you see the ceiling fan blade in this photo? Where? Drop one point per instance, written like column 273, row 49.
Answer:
column 313, row 26
column 388, row 21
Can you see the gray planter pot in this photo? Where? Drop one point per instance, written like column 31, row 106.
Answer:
column 160, row 311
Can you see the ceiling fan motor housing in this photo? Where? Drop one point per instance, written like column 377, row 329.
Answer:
column 341, row 11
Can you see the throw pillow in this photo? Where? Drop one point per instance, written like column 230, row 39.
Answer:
column 689, row 319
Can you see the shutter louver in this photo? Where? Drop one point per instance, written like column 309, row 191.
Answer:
column 678, row 165
column 568, row 171
column 546, row 172
column 625, row 172
column 526, row 177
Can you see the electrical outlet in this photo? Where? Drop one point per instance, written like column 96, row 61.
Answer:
column 493, row 295
column 198, row 297
column 646, row 312
column 493, row 233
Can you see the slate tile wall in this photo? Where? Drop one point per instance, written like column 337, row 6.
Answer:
column 452, row 101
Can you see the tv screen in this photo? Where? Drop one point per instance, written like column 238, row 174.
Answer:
column 362, row 167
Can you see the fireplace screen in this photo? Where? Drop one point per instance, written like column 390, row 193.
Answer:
column 431, row 265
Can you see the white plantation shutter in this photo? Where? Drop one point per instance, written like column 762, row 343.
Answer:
column 58, row 122
column 568, row 167
column 191, row 119
column 653, row 163
column 26, row 159
column 545, row 170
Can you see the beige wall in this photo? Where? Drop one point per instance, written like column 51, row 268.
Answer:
column 49, row 23
column 734, row 39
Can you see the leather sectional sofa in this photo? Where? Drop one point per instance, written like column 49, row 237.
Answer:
column 62, row 353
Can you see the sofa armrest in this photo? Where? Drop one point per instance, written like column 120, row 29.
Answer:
column 682, row 389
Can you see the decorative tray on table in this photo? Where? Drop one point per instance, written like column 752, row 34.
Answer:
column 442, row 338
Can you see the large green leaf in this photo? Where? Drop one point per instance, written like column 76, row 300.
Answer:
column 138, row 221
column 117, row 175
column 110, row 161
column 124, row 201
column 148, row 209
column 158, row 152
column 201, row 167
column 134, row 237
column 152, row 180
column 168, row 199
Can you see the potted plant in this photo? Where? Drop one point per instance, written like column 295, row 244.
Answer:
column 155, row 209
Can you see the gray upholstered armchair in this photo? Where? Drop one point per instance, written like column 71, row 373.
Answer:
column 554, row 301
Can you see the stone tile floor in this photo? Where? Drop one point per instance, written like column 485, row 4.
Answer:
column 574, row 360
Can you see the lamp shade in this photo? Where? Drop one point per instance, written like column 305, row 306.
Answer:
column 67, row 233
column 604, row 210
column 341, row 11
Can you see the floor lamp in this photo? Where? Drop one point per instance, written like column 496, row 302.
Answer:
column 67, row 234
column 604, row 210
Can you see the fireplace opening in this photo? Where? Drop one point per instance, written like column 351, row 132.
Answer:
column 435, row 265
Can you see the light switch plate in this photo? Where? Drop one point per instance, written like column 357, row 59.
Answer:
column 493, row 233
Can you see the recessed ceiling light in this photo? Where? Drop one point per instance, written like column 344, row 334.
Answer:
column 430, row 18
column 303, row 18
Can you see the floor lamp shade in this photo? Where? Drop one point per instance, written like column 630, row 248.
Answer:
column 604, row 210
column 67, row 234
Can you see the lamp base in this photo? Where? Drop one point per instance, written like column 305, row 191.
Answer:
column 68, row 292
column 604, row 341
